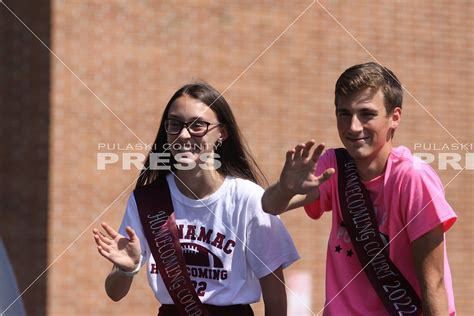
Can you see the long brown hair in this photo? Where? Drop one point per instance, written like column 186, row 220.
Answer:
column 235, row 157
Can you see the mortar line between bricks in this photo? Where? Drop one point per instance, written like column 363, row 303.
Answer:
column 72, row 72
column 108, row 207
column 403, row 87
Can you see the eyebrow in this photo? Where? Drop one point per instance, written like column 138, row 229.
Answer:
column 171, row 116
column 368, row 110
column 363, row 110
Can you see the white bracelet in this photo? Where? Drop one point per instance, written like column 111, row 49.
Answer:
column 135, row 271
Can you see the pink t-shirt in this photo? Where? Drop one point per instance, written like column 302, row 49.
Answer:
column 408, row 192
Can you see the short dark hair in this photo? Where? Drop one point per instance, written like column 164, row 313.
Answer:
column 235, row 157
column 360, row 77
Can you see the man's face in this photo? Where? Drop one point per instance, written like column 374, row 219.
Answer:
column 364, row 126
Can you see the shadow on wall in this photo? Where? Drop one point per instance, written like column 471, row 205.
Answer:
column 10, row 300
column 24, row 144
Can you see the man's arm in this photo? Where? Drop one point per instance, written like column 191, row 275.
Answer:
column 428, row 257
column 274, row 293
column 276, row 201
column 298, row 184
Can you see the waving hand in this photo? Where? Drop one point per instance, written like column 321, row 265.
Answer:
column 298, row 184
column 298, row 175
column 122, row 251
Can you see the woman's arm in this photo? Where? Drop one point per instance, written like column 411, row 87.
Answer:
column 274, row 293
column 117, row 285
column 124, row 253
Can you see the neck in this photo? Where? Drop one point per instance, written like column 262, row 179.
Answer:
column 371, row 167
column 198, row 184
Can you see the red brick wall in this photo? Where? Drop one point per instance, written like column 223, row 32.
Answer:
column 134, row 55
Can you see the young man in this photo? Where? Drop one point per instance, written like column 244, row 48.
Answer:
column 386, row 250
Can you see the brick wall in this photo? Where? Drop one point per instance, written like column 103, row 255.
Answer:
column 134, row 55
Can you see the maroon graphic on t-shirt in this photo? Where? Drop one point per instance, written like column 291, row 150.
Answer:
column 197, row 255
column 202, row 264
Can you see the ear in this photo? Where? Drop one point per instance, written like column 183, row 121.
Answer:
column 224, row 133
column 396, row 117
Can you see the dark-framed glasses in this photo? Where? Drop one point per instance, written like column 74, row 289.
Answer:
column 195, row 128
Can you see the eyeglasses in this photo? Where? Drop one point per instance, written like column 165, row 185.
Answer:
column 194, row 128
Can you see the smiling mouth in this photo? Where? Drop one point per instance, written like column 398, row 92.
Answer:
column 357, row 139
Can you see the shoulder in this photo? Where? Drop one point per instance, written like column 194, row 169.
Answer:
column 327, row 160
column 147, row 195
column 243, row 188
column 246, row 197
column 409, row 169
column 149, row 187
column 131, row 213
column 328, row 157
column 245, row 192
column 420, row 192
column 131, row 202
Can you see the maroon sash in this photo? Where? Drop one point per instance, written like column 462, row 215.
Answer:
column 395, row 292
column 158, row 220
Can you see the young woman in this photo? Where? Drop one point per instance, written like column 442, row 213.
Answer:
column 233, row 252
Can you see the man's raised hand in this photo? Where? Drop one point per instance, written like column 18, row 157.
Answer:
column 297, row 176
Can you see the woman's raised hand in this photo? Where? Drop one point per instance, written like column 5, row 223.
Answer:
column 121, row 251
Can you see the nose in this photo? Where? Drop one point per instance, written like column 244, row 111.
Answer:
column 184, row 134
column 356, row 124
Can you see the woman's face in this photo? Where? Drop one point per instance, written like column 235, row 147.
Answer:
column 188, row 119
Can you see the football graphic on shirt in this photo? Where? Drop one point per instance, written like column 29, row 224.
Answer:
column 197, row 255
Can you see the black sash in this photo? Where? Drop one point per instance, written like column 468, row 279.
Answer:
column 158, row 220
column 395, row 292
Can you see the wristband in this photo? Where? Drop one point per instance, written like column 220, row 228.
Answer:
column 131, row 273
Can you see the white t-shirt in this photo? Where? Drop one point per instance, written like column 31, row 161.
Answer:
column 228, row 242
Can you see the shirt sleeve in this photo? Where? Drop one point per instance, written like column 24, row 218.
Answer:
column 268, row 243
column 317, row 208
column 424, row 203
column 131, row 219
